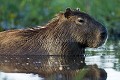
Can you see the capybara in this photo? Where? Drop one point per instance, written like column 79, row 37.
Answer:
column 69, row 33
column 52, row 67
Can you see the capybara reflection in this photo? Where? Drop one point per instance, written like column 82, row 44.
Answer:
column 70, row 32
column 52, row 67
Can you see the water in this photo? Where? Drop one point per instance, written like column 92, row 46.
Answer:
column 106, row 60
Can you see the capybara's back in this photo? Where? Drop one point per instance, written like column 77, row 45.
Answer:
column 69, row 33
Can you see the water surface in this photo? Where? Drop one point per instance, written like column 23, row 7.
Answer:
column 63, row 67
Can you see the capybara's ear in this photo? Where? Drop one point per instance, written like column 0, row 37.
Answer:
column 68, row 13
column 78, row 9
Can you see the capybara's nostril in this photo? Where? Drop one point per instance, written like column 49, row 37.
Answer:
column 103, row 35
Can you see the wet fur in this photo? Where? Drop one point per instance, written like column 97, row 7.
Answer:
column 55, row 38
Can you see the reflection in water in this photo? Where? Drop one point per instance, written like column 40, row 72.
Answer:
column 109, row 59
column 53, row 67
column 106, row 61
column 64, row 67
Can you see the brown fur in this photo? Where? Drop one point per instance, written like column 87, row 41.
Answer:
column 62, row 35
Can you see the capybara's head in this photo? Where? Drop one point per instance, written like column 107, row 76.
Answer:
column 85, row 29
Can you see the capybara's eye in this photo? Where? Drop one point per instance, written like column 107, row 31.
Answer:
column 81, row 20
